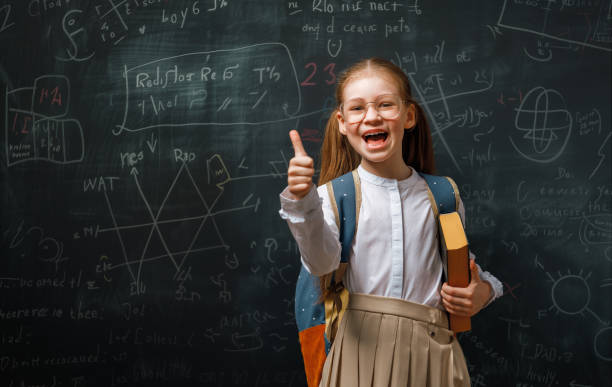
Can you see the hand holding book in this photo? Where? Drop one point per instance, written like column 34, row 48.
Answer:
column 466, row 301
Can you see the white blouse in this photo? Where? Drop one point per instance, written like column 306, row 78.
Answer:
column 395, row 252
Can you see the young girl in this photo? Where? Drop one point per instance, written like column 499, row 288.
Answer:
column 395, row 329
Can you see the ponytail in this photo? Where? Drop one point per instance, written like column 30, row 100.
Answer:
column 337, row 155
column 417, row 145
column 337, row 158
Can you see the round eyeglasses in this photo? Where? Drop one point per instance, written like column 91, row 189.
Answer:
column 388, row 107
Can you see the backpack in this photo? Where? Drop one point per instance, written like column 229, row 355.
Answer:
column 317, row 322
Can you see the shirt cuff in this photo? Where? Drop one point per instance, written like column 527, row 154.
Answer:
column 297, row 210
column 497, row 289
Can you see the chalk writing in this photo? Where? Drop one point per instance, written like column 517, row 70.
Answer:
column 38, row 133
column 550, row 20
column 172, row 89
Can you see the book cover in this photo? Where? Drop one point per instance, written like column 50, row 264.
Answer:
column 455, row 255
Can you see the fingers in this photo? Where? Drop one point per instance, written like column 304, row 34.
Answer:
column 298, row 147
column 301, row 168
column 465, row 301
column 296, row 169
column 456, row 305
column 457, row 310
column 299, row 178
column 456, row 296
column 457, row 292
column 301, row 161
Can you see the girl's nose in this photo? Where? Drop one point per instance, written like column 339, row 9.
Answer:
column 371, row 114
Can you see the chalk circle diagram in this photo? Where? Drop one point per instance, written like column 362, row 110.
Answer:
column 571, row 296
column 543, row 124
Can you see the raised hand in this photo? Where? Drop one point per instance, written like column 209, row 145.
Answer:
column 301, row 168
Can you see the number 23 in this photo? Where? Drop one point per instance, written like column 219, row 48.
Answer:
column 329, row 69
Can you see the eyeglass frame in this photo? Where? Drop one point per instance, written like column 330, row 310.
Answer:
column 403, row 101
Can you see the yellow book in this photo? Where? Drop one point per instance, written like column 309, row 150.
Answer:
column 456, row 262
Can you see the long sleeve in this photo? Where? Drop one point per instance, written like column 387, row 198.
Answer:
column 497, row 290
column 312, row 224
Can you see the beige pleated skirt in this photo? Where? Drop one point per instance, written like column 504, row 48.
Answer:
column 391, row 342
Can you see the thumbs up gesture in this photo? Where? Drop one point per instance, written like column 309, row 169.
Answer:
column 301, row 168
column 466, row 301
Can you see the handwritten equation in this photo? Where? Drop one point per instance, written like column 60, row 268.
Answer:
column 248, row 85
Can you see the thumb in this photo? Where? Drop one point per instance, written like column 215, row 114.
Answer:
column 298, row 148
column 474, row 271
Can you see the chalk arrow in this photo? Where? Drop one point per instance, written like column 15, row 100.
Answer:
column 537, row 263
column 152, row 143
column 331, row 45
column 242, row 166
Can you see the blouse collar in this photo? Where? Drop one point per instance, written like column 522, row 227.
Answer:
column 384, row 181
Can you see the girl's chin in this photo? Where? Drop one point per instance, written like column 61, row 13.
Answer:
column 375, row 157
column 375, row 160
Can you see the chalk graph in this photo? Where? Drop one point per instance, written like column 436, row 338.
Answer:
column 487, row 79
column 583, row 24
column 199, row 230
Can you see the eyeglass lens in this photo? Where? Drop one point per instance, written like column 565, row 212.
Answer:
column 387, row 106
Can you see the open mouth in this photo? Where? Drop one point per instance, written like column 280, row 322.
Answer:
column 375, row 137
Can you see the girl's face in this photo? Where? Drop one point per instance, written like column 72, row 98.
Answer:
column 378, row 136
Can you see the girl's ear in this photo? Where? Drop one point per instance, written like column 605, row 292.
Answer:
column 411, row 119
column 341, row 125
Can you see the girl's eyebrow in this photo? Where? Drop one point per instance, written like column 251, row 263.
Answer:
column 378, row 96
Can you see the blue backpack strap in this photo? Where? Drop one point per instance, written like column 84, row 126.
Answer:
column 308, row 312
column 345, row 197
column 444, row 197
column 445, row 194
